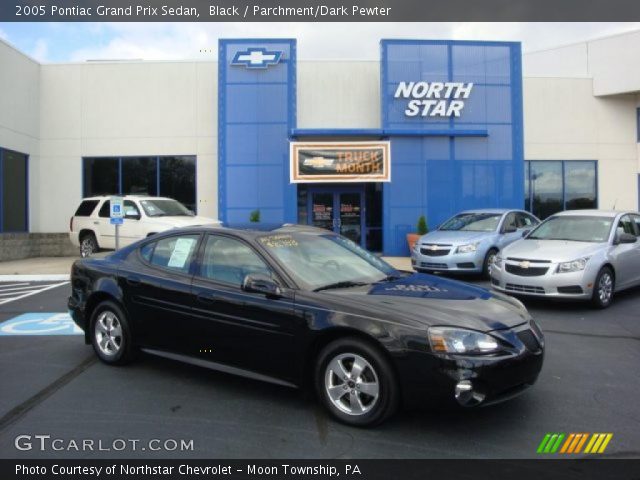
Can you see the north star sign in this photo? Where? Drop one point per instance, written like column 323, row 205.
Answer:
column 434, row 99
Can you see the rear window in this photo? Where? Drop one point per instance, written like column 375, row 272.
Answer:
column 86, row 208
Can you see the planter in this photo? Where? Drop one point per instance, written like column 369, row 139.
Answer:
column 412, row 238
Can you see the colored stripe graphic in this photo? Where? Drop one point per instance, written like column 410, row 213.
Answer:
column 574, row 442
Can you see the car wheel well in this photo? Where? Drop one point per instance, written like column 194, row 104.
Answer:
column 613, row 270
column 83, row 233
column 328, row 336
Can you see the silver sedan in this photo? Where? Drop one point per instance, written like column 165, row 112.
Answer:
column 579, row 254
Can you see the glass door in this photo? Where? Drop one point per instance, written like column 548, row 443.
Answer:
column 350, row 220
column 339, row 209
column 322, row 210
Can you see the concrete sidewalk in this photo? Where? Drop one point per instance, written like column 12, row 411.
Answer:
column 57, row 266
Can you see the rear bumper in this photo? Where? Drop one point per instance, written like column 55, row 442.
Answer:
column 77, row 314
column 74, row 237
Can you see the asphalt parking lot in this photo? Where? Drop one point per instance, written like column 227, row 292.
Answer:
column 52, row 385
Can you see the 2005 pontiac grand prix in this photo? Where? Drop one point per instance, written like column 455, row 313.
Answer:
column 303, row 307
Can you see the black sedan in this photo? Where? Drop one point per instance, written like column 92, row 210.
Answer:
column 303, row 307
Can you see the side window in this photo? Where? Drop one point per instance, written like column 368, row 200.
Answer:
column 172, row 253
column 626, row 225
column 636, row 220
column 105, row 209
column 229, row 260
column 130, row 208
column 86, row 208
column 525, row 221
column 509, row 221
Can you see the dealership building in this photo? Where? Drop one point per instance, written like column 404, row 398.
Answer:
column 360, row 147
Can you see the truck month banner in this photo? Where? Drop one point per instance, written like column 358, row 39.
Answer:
column 329, row 162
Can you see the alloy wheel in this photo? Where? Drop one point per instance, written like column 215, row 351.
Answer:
column 352, row 384
column 108, row 333
column 605, row 288
column 87, row 247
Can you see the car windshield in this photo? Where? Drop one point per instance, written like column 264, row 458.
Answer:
column 165, row 208
column 318, row 262
column 573, row 228
column 472, row 222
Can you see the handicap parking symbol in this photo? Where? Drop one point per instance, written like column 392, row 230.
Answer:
column 40, row 324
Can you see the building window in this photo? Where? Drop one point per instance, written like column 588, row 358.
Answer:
column 552, row 186
column 166, row 176
column 14, row 191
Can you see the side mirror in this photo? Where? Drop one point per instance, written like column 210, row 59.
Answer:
column 260, row 283
column 132, row 216
column 525, row 233
column 509, row 229
column 626, row 238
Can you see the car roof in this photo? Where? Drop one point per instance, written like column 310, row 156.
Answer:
column 253, row 230
column 593, row 213
column 137, row 197
column 491, row 210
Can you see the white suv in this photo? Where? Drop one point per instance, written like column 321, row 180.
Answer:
column 91, row 230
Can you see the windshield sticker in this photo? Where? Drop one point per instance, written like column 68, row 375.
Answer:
column 277, row 241
column 181, row 252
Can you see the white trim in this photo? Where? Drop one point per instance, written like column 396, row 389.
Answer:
column 52, row 277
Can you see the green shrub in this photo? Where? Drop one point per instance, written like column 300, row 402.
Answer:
column 422, row 225
column 254, row 217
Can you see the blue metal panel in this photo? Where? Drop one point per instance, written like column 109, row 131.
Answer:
column 480, row 164
column 256, row 111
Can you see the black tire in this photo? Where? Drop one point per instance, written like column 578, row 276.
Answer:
column 378, row 372
column 603, row 288
column 117, row 346
column 488, row 260
column 88, row 245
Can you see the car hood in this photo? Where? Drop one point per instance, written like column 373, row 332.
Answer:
column 453, row 236
column 181, row 221
column 422, row 300
column 552, row 250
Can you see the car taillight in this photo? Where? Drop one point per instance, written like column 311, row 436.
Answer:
column 71, row 224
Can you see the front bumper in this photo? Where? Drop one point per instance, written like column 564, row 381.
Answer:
column 573, row 285
column 429, row 380
column 451, row 262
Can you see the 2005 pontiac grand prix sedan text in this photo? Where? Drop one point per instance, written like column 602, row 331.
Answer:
column 301, row 307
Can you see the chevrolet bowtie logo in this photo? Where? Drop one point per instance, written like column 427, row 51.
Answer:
column 256, row 58
column 434, row 247
column 524, row 264
column 318, row 162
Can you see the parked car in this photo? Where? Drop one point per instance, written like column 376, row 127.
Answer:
column 469, row 241
column 90, row 228
column 301, row 306
column 579, row 254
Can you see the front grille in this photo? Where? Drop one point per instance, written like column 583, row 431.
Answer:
column 526, row 272
column 439, row 266
column 515, row 259
column 571, row 289
column 524, row 288
column 529, row 339
column 466, row 265
column 440, row 252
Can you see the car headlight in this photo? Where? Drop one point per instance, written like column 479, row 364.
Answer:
column 573, row 266
column 497, row 261
column 468, row 248
column 461, row 341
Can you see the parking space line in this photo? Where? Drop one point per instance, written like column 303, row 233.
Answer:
column 4, row 285
column 15, row 290
column 30, row 293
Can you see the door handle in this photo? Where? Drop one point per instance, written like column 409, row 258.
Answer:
column 207, row 298
column 133, row 281
column 96, row 223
